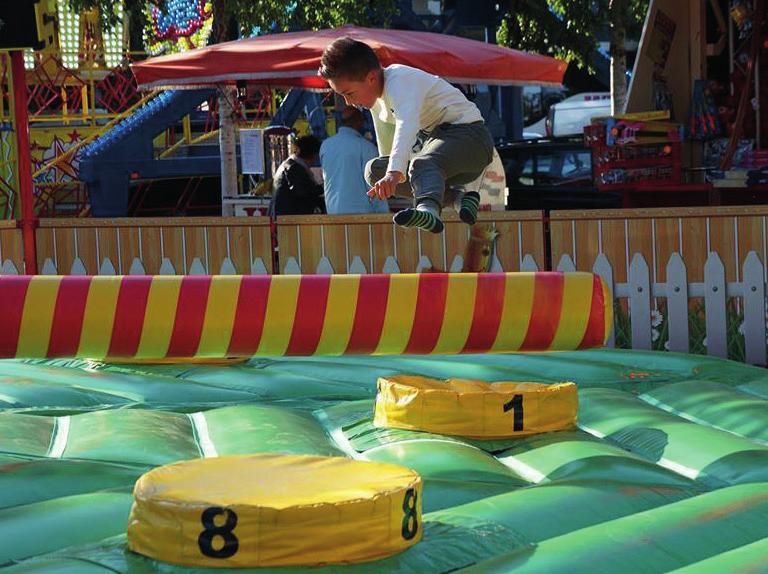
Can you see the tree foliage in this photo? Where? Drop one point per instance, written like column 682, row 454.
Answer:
column 261, row 15
column 309, row 14
column 565, row 29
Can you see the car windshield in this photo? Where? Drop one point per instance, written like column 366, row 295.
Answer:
column 558, row 167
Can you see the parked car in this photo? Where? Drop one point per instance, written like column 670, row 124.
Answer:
column 552, row 174
column 568, row 118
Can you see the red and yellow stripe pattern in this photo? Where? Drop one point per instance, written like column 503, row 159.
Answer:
column 161, row 317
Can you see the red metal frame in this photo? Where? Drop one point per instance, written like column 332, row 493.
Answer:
column 51, row 197
column 745, row 103
column 117, row 91
column 28, row 221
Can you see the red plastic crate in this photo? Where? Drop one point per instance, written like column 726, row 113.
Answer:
column 637, row 163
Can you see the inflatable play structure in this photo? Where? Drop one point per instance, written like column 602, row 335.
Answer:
column 413, row 453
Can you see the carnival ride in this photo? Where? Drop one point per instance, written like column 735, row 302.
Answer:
column 126, row 152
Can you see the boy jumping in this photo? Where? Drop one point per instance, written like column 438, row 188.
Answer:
column 424, row 127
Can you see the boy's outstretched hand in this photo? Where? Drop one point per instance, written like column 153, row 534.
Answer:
column 385, row 187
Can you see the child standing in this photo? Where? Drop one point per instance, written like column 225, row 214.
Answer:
column 428, row 133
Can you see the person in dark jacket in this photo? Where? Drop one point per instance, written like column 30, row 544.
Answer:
column 294, row 189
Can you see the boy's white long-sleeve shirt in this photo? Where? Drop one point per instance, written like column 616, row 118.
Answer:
column 413, row 100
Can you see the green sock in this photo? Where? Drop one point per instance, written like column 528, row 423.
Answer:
column 469, row 204
column 422, row 218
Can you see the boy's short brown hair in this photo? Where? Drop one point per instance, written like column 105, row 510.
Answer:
column 348, row 58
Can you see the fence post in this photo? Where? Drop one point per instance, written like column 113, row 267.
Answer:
column 390, row 265
column 357, row 266
column 107, row 267
column 137, row 268
column 227, row 267
column 78, row 267
column 529, row 263
column 258, row 267
column 197, row 267
column 292, row 267
column 602, row 268
column 714, row 306
column 424, row 263
column 495, row 263
column 677, row 304
column 324, row 266
column 754, row 310
column 566, row 264
column 640, row 302
column 49, row 267
column 166, row 267
column 457, row 264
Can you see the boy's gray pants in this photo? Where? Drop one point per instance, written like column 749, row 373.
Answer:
column 451, row 155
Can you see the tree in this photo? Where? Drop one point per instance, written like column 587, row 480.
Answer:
column 569, row 29
column 244, row 17
column 618, row 56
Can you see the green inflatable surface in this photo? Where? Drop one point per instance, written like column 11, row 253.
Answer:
column 667, row 470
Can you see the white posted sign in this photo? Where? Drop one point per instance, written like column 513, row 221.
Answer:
column 252, row 151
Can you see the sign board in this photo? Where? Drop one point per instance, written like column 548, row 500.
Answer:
column 252, row 151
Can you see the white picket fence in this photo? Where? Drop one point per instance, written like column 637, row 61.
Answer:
column 391, row 265
column 197, row 267
column 642, row 295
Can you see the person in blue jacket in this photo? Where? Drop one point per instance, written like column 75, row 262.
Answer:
column 343, row 158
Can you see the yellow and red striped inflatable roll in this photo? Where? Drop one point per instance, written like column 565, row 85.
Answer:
column 159, row 317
